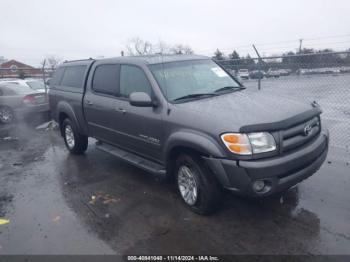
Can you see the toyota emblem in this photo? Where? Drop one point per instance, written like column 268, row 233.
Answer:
column 307, row 130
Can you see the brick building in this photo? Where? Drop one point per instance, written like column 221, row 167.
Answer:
column 13, row 68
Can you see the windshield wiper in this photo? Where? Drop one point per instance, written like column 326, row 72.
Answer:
column 226, row 88
column 195, row 95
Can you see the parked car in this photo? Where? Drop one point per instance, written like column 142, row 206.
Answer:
column 256, row 74
column 273, row 73
column 322, row 70
column 185, row 118
column 284, row 72
column 34, row 84
column 20, row 101
column 243, row 73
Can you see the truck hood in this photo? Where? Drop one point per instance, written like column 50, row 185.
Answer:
column 245, row 108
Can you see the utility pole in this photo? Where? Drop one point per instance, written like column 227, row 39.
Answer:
column 259, row 67
column 300, row 45
column 44, row 77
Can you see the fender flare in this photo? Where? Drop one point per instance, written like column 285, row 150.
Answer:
column 64, row 107
column 194, row 140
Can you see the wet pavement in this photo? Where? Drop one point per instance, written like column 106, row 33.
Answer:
column 59, row 203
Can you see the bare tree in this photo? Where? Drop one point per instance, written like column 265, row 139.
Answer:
column 163, row 48
column 181, row 49
column 137, row 46
column 2, row 59
column 53, row 61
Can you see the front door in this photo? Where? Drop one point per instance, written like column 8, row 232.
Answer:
column 140, row 128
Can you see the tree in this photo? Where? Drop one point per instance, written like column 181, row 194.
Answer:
column 162, row 48
column 137, row 46
column 218, row 55
column 234, row 55
column 2, row 59
column 52, row 61
column 248, row 60
column 235, row 59
column 180, row 49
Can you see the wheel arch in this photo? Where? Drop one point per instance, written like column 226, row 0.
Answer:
column 64, row 110
column 190, row 143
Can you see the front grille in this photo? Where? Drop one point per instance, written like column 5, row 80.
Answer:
column 296, row 136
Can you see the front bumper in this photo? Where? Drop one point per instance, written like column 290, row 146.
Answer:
column 279, row 173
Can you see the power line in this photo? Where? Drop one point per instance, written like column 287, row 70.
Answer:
column 277, row 44
column 327, row 37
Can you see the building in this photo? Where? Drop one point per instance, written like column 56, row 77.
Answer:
column 13, row 68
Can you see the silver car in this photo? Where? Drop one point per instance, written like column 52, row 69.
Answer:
column 19, row 101
column 34, row 84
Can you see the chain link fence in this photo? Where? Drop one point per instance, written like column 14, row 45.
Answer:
column 320, row 77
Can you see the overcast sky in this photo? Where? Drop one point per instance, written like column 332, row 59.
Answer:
column 32, row 29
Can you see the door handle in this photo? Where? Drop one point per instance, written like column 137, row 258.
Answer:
column 89, row 102
column 120, row 110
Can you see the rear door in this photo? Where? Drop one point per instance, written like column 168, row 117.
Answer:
column 99, row 102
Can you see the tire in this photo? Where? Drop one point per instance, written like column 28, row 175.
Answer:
column 75, row 142
column 204, row 188
column 7, row 115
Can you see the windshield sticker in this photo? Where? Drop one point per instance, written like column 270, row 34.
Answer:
column 219, row 72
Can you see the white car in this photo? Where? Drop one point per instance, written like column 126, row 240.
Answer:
column 34, row 84
column 243, row 73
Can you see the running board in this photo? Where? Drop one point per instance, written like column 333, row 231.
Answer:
column 133, row 159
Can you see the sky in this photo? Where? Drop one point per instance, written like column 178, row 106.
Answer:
column 76, row 29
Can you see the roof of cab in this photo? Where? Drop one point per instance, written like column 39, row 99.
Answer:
column 149, row 59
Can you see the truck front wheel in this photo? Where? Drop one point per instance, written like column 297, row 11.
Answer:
column 196, row 185
column 75, row 142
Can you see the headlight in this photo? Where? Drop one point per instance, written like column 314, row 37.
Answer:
column 262, row 142
column 248, row 144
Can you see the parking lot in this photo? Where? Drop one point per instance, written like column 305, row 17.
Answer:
column 330, row 91
column 59, row 203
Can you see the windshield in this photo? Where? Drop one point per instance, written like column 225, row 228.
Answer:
column 36, row 85
column 184, row 78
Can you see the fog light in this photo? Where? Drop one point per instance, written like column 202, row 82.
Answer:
column 258, row 185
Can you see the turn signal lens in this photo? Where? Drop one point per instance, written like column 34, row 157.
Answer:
column 231, row 138
column 237, row 143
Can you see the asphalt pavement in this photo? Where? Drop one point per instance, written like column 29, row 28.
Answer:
column 59, row 203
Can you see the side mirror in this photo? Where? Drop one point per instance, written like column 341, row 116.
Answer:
column 140, row 99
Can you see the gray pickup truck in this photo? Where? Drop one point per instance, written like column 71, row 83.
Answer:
column 185, row 117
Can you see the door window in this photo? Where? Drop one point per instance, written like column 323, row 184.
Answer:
column 57, row 76
column 74, row 76
column 133, row 79
column 106, row 79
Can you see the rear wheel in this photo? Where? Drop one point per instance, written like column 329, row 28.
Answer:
column 196, row 185
column 75, row 142
column 6, row 115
